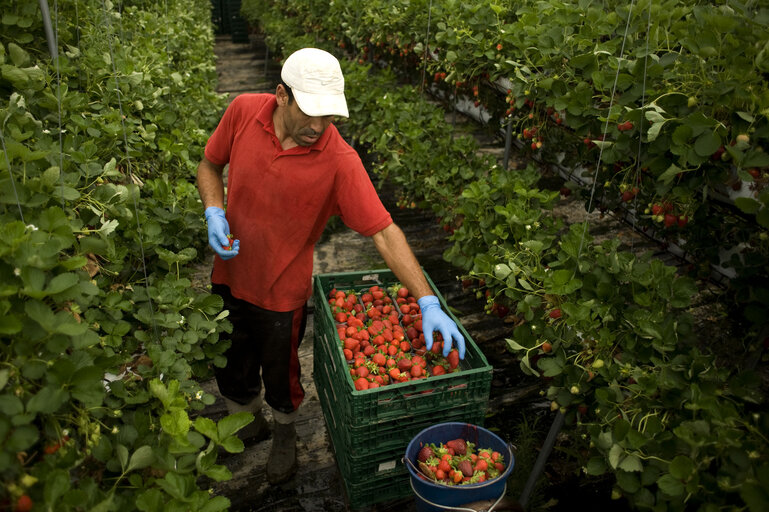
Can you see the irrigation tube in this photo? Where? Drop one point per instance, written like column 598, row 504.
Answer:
column 539, row 464
column 52, row 45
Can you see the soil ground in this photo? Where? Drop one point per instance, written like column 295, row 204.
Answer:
column 520, row 416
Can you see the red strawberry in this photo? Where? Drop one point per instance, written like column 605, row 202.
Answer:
column 361, row 384
column 453, row 358
column 555, row 313
column 466, row 467
column 23, row 504
column 52, row 448
column 670, row 220
column 458, row 445
column 425, row 453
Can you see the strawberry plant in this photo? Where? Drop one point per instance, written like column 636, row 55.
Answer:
column 103, row 336
column 682, row 133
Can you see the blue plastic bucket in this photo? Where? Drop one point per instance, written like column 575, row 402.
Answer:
column 434, row 497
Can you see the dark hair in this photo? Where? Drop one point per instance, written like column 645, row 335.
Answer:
column 288, row 91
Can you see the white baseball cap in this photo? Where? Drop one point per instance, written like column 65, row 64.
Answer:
column 316, row 81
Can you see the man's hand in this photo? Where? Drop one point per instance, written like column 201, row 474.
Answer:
column 218, row 229
column 434, row 319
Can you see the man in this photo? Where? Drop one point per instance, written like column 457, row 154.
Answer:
column 289, row 171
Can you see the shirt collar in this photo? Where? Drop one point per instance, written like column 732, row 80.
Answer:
column 264, row 116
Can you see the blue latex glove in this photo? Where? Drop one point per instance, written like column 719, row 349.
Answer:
column 218, row 229
column 434, row 319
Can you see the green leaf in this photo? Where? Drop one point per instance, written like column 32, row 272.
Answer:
column 501, row 271
column 219, row 473
column 4, row 373
column 177, row 485
column 615, row 455
column 176, row 422
column 22, row 438
column 216, row 504
column 122, row 455
column 10, row 324
column 47, row 400
column 707, row 143
column 620, row 429
column 629, row 482
column 151, row 500
column 755, row 158
column 755, row 496
column 762, row 217
column 62, row 282
column 654, row 131
column 56, row 484
column 514, row 346
column 631, row 463
column 670, row 485
column 233, row 444
column 670, row 173
column 141, row 458
column 11, row 405
column 681, row 467
column 232, row 423
column 681, row 135
column 596, row 466
column 550, row 366
column 747, row 205
column 207, row 427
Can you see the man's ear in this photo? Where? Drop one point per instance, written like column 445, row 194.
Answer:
column 282, row 95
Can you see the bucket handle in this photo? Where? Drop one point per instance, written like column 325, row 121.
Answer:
column 444, row 507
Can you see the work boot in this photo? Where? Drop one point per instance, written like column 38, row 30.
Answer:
column 256, row 431
column 281, row 464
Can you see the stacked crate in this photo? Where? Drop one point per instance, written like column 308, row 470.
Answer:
column 371, row 429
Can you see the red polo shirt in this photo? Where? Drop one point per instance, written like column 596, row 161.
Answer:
column 278, row 202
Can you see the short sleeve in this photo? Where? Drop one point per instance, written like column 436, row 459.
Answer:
column 359, row 204
column 219, row 144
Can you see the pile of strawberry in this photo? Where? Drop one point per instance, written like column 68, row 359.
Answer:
column 458, row 463
column 382, row 338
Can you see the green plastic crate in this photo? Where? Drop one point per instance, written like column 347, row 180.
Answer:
column 377, row 489
column 371, row 429
column 377, row 447
column 394, row 401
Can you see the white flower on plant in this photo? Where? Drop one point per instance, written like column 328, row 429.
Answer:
column 31, row 227
column 528, row 227
column 199, row 395
column 17, row 271
column 115, row 430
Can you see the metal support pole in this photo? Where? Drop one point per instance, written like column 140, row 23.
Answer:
column 52, row 43
column 539, row 464
column 508, row 143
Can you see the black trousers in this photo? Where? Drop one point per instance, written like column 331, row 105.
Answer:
column 265, row 346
